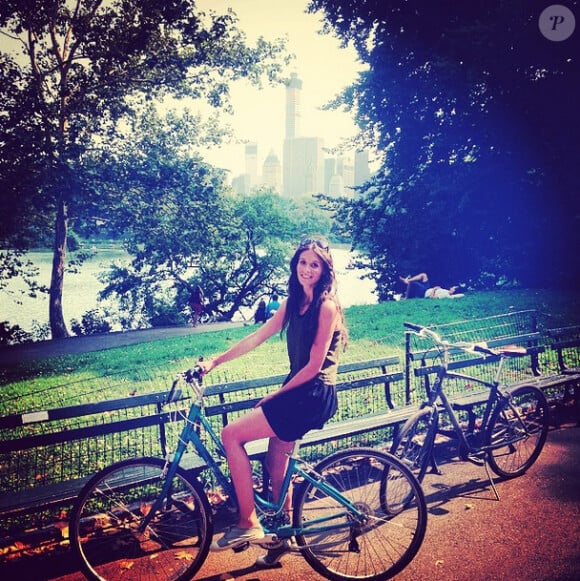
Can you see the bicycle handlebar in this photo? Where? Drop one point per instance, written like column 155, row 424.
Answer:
column 481, row 347
column 194, row 374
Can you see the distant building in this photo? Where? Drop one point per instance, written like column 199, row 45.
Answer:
column 329, row 172
column 339, row 177
column 362, row 170
column 335, row 186
column 304, row 169
column 303, row 166
column 241, row 184
column 252, row 163
column 272, row 172
column 303, row 159
column 293, row 113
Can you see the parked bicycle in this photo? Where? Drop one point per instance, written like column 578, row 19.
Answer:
column 509, row 433
column 359, row 514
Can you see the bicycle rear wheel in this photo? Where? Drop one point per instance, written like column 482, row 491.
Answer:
column 105, row 524
column 414, row 443
column 340, row 546
column 518, row 431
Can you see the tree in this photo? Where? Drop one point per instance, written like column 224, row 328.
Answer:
column 72, row 70
column 182, row 226
column 473, row 111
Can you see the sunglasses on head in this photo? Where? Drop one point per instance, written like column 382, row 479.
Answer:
column 320, row 242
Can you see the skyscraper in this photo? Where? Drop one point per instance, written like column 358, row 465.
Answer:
column 293, row 88
column 304, row 169
column 361, row 167
column 252, row 163
column 272, row 172
column 303, row 166
column 303, row 156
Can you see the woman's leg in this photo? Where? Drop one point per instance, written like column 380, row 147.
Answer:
column 277, row 464
column 414, row 284
column 252, row 426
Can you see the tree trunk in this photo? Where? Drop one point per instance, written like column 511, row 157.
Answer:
column 57, row 323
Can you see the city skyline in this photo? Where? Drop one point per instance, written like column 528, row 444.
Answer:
column 307, row 167
column 260, row 115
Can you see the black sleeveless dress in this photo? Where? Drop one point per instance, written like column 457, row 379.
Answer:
column 308, row 406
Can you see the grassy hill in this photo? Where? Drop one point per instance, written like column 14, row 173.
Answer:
column 375, row 330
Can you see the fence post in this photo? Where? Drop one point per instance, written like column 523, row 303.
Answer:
column 407, row 367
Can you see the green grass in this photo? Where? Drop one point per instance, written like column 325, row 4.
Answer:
column 375, row 330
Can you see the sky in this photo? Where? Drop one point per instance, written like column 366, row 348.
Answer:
column 324, row 68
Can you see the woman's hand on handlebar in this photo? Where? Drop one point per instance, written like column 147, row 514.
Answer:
column 206, row 365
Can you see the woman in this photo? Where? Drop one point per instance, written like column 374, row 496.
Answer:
column 313, row 321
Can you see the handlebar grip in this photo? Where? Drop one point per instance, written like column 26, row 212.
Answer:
column 484, row 349
column 413, row 327
column 195, row 373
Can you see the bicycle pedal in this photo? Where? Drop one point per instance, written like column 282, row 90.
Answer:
column 477, row 458
column 242, row 547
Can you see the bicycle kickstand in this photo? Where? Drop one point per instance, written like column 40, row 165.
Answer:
column 492, row 483
column 434, row 466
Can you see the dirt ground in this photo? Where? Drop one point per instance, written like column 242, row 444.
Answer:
column 531, row 534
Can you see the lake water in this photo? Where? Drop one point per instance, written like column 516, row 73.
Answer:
column 81, row 289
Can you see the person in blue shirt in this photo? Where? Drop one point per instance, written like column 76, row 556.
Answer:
column 272, row 307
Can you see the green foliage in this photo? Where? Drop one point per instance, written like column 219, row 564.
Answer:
column 13, row 334
column 183, row 228
column 165, row 314
column 93, row 322
column 71, row 74
column 474, row 113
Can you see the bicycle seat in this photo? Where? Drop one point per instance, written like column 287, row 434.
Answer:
column 511, row 351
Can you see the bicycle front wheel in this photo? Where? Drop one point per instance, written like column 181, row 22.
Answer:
column 414, row 443
column 374, row 542
column 106, row 532
column 518, row 431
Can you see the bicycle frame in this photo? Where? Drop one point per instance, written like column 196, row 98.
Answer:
column 438, row 394
column 152, row 517
column 195, row 419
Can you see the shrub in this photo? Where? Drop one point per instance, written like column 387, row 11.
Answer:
column 93, row 322
column 11, row 335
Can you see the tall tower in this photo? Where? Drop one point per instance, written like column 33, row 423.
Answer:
column 361, row 167
column 293, row 88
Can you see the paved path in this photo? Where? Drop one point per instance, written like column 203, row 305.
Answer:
column 54, row 348
column 531, row 534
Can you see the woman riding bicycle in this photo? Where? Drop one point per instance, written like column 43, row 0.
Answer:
column 313, row 321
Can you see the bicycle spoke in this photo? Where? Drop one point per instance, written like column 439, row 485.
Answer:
column 374, row 542
column 108, row 532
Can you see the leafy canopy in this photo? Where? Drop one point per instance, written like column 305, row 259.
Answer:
column 71, row 70
column 474, row 114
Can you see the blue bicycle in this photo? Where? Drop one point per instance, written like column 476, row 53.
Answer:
column 359, row 514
